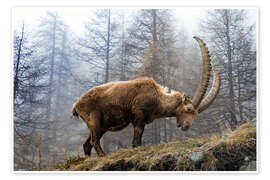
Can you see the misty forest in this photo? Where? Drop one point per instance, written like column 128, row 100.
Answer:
column 53, row 66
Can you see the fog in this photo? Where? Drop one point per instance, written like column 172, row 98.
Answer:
column 61, row 53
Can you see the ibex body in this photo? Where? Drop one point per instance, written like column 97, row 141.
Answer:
column 113, row 106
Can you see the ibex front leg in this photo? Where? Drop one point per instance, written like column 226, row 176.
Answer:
column 138, row 129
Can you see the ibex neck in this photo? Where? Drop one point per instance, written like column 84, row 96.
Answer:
column 168, row 104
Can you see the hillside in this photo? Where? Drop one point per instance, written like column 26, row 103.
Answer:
column 230, row 151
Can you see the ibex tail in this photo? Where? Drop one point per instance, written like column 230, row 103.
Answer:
column 75, row 115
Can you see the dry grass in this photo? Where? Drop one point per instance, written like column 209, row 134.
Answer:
column 227, row 151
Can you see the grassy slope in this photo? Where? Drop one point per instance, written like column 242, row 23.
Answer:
column 228, row 151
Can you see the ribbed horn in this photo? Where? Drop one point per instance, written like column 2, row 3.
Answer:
column 205, row 73
column 212, row 94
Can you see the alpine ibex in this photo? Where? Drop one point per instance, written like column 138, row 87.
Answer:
column 113, row 106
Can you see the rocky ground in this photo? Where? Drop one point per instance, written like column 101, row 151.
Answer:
column 230, row 151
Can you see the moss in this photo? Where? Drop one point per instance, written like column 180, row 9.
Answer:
column 183, row 148
column 61, row 166
column 70, row 162
column 187, row 146
column 88, row 165
column 251, row 134
column 223, row 144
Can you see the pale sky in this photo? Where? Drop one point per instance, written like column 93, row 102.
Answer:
column 77, row 16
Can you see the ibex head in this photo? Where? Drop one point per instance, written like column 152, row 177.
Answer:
column 189, row 109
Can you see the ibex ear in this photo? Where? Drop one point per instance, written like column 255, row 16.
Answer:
column 183, row 98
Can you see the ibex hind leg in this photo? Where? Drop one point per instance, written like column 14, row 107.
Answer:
column 95, row 132
column 95, row 141
column 87, row 147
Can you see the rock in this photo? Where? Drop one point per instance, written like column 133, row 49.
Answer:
column 251, row 166
column 225, row 136
column 165, row 163
column 253, row 124
column 185, row 164
column 120, row 165
column 141, row 167
column 246, row 158
column 196, row 157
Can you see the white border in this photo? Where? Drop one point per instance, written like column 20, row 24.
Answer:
column 263, row 85
column 139, row 172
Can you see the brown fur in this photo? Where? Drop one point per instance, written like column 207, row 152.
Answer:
column 113, row 106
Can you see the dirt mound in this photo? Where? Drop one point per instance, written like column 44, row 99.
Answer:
column 230, row 151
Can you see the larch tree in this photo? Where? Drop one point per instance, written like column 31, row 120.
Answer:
column 29, row 100
column 97, row 48
column 229, row 34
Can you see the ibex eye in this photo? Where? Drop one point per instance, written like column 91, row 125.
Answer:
column 189, row 110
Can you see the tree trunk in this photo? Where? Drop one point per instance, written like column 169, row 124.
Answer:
column 49, row 112
column 156, row 127
column 51, row 78
column 17, row 65
column 59, row 88
column 108, row 47
column 154, row 33
column 123, row 51
column 105, row 139
column 165, row 130
column 229, row 56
